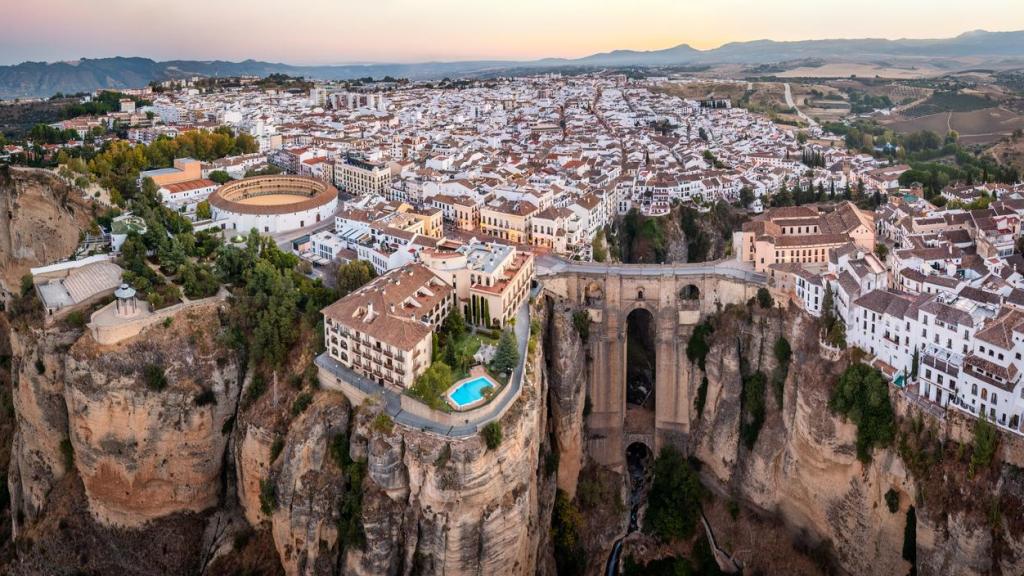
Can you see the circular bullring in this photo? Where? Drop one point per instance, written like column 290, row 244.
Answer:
column 273, row 203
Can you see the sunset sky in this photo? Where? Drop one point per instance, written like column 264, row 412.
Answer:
column 347, row 31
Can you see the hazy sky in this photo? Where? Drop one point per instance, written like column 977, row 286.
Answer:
column 343, row 31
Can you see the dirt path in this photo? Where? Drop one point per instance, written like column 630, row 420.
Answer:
column 792, row 104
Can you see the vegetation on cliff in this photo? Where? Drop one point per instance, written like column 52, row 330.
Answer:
column 862, row 396
column 674, row 501
column 566, row 524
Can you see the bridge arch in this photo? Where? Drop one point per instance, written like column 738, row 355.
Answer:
column 673, row 298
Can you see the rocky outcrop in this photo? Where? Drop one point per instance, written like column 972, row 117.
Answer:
column 146, row 419
column 437, row 505
column 38, row 461
column 252, row 461
column 308, row 486
column 40, row 219
column 803, row 466
column 567, row 371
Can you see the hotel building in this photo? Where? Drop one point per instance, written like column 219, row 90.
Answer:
column 383, row 330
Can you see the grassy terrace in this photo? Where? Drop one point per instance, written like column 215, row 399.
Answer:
column 453, row 356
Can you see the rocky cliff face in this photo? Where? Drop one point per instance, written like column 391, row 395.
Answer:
column 567, row 370
column 436, row 505
column 308, row 487
column 803, row 466
column 37, row 461
column 146, row 419
column 39, row 221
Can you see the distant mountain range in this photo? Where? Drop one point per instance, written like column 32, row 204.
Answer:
column 42, row 79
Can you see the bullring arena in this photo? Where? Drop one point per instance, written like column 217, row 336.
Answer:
column 272, row 204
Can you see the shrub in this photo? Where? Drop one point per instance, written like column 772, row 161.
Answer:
column 205, row 398
column 268, row 497
column 302, row 401
column 443, row 456
column 432, row 384
column 350, row 513
column 892, row 500
column 862, row 396
column 752, row 408
column 256, row 389
column 764, row 298
column 984, row 445
column 339, row 450
column 697, row 347
column 566, row 521
column 383, row 423
column 674, row 501
column 76, row 319
column 168, row 321
column 156, row 378
column 67, row 451
column 276, row 447
column 581, row 321
column 492, row 435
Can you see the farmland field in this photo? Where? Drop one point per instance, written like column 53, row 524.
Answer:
column 976, row 127
column 949, row 102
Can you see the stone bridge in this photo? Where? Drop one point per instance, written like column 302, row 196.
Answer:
column 676, row 296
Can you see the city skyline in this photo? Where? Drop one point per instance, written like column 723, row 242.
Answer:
column 326, row 32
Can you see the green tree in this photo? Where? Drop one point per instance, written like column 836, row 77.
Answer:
column 764, row 298
column 698, row 346
column 862, row 396
column 984, row 444
column 492, row 434
column 220, row 177
column 746, row 196
column 674, row 501
column 506, row 356
column 566, row 523
column 353, row 275
column 882, row 251
column 203, row 211
column 598, row 248
column 432, row 384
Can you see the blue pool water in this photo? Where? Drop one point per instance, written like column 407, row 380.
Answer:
column 471, row 391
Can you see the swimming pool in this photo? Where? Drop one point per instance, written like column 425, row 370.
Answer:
column 471, row 391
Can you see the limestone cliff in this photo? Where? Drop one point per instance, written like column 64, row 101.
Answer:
column 567, row 370
column 308, row 487
column 146, row 419
column 40, row 219
column 436, row 505
column 803, row 467
column 37, row 461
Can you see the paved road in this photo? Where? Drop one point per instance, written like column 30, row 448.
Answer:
column 393, row 401
column 792, row 104
column 549, row 265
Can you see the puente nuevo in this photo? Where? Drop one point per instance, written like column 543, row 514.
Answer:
column 674, row 297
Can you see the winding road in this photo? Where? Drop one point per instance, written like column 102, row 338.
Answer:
column 792, row 104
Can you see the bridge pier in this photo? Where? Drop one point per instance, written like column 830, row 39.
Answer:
column 677, row 296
